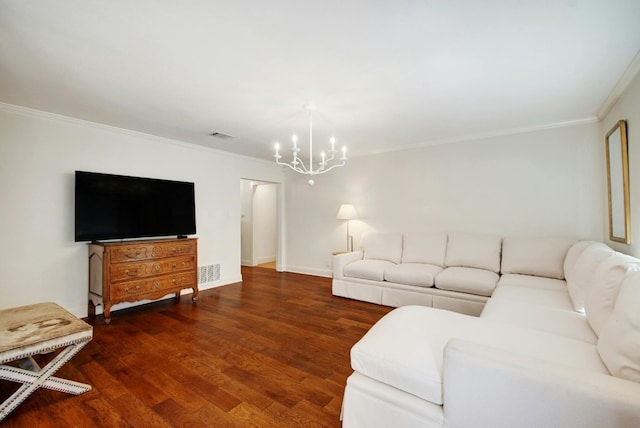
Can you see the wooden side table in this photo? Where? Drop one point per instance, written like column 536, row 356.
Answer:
column 36, row 329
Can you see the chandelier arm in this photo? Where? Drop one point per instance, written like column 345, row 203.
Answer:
column 294, row 168
column 301, row 167
column 332, row 167
column 333, row 155
column 297, row 164
column 286, row 164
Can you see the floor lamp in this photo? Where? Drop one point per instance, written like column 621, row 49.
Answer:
column 348, row 212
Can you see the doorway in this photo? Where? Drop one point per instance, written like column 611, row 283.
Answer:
column 258, row 223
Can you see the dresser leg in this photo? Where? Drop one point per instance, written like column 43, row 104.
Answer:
column 194, row 296
column 107, row 314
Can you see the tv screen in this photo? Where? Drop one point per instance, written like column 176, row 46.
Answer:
column 117, row 207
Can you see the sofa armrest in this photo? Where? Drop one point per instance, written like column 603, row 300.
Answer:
column 487, row 387
column 341, row 260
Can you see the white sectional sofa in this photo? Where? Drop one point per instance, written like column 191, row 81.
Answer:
column 455, row 271
column 544, row 352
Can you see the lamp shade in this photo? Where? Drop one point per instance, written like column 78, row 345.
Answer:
column 347, row 212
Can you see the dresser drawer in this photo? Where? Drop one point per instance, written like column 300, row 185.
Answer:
column 128, row 271
column 126, row 290
column 152, row 250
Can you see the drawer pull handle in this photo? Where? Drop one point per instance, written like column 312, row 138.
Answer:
column 133, row 255
column 173, row 249
column 156, row 267
column 175, row 281
column 156, row 284
column 132, row 273
column 134, row 291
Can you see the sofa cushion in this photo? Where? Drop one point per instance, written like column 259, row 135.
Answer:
column 551, row 298
column 412, row 273
column 405, row 348
column 382, row 246
column 529, row 281
column 467, row 280
column 367, row 269
column 580, row 282
column 554, row 320
column 474, row 251
column 602, row 295
column 573, row 254
column 619, row 341
column 427, row 248
column 535, row 256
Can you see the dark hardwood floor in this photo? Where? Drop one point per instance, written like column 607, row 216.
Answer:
column 270, row 352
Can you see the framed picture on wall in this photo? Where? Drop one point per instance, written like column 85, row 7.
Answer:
column 618, row 183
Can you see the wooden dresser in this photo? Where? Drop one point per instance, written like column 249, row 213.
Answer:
column 136, row 270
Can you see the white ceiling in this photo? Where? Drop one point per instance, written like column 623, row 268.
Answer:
column 384, row 75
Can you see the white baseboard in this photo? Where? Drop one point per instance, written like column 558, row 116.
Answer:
column 267, row 259
column 327, row 273
column 223, row 281
column 261, row 260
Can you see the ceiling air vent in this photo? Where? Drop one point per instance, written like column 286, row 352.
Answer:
column 220, row 135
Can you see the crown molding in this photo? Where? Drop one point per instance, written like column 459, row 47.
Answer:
column 493, row 134
column 55, row 117
column 629, row 74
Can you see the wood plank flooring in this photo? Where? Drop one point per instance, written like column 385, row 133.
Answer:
column 270, row 352
column 270, row 265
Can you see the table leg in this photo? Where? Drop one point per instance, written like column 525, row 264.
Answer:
column 19, row 375
column 41, row 378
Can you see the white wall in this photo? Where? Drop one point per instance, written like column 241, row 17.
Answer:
column 39, row 153
column 544, row 183
column 628, row 108
column 246, row 228
column 264, row 215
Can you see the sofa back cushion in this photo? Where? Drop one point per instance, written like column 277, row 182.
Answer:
column 474, row 251
column 607, row 279
column 535, row 256
column 619, row 341
column 427, row 248
column 579, row 283
column 573, row 254
column 382, row 246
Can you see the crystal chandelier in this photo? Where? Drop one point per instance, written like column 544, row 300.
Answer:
column 325, row 163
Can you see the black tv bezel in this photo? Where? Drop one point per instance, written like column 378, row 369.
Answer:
column 120, row 236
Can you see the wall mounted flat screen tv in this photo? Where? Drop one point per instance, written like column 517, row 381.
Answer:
column 111, row 206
